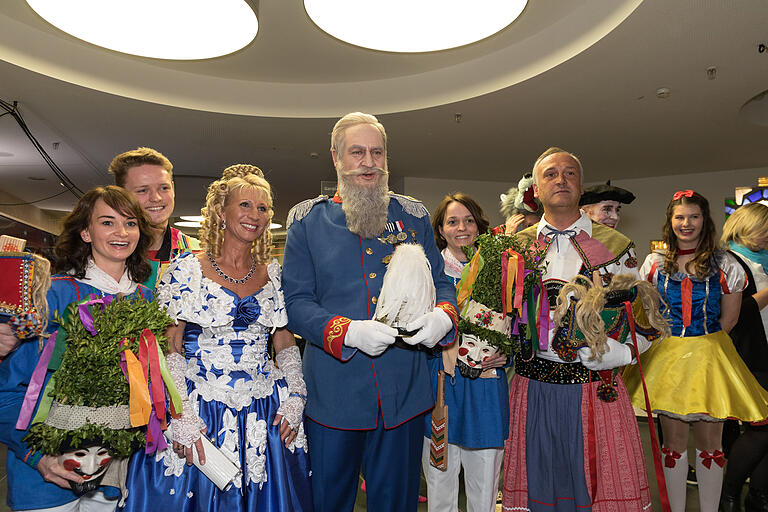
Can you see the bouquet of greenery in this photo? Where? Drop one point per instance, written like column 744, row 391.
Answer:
column 499, row 285
column 92, row 380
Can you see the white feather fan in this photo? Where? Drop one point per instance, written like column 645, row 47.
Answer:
column 408, row 290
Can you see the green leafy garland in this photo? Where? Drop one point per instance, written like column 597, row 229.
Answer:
column 487, row 287
column 90, row 373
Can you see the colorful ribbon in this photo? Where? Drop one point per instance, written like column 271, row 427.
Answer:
column 139, row 404
column 670, row 457
column 468, row 278
column 86, row 317
column 36, row 382
column 512, row 272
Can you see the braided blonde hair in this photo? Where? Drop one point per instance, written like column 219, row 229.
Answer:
column 235, row 177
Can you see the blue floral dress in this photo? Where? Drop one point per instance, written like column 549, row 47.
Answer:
column 236, row 389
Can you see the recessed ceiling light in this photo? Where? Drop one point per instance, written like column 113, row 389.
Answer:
column 187, row 224
column 5, row 154
column 194, row 218
column 167, row 29
column 275, row 225
column 413, row 26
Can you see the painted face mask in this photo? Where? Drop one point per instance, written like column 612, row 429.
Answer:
column 88, row 463
column 472, row 352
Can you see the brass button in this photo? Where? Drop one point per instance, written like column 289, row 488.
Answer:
column 369, row 251
column 374, row 300
column 372, row 275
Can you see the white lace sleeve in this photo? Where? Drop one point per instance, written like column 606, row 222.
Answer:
column 273, row 313
column 735, row 278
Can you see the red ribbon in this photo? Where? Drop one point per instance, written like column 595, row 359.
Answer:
column 670, row 457
column 156, row 383
column 707, row 458
column 686, row 293
column 660, row 481
column 682, row 193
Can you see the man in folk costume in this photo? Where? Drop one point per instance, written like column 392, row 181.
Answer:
column 569, row 449
column 366, row 398
column 148, row 175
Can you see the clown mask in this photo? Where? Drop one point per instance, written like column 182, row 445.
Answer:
column 472, row 352
column 88, row 463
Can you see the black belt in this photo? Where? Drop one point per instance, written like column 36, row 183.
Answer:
column 552, row 372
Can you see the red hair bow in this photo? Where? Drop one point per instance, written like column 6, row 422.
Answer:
column 681, row 193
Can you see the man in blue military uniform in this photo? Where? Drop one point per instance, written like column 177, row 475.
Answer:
column 366, row 396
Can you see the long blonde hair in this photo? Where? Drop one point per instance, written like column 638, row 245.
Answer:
column 746, row 224
column 235, row 177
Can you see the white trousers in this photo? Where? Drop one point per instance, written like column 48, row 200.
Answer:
column 92, row 502
column 481, row 478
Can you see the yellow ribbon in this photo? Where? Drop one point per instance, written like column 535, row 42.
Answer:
column 468, row 278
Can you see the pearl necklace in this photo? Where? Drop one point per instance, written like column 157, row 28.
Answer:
column 225, row 276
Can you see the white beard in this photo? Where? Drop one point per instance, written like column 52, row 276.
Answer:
column 365, row 207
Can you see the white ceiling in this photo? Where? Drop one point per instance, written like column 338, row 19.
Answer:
column 580, row 74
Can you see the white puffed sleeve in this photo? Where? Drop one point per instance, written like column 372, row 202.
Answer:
column 733, row 279
column 650, row 268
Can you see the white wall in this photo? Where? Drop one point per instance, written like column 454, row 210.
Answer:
column 640, row 221
column 486, row 193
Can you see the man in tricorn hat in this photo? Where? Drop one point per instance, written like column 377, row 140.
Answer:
column 602, row 203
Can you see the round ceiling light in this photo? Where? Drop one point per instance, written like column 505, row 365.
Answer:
column 412, row 26
column 166, row 29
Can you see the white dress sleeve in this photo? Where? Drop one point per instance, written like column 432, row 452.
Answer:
column 273, row 313
column 733, row 279
column 648, row 266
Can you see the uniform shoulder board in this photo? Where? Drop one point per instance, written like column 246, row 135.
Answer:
column 410, row 205
column 301, row 210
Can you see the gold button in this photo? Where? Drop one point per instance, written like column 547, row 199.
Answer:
column 372, row 275
column 374, row 300
column 369, row 251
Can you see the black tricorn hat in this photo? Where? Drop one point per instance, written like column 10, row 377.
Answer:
column 606, row 192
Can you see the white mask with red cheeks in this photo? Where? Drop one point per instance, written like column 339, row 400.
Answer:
column 88, row 463
column 472, row 352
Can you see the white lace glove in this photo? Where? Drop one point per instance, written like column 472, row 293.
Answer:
column 432, row 327
column 292, row 409
column 186, row 429
column 370, row 336
column 617, row 355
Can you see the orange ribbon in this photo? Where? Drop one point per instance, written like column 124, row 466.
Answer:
column 464, row 288
column 139, row 404
column 512, row 272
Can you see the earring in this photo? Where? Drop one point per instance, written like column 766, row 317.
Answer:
column 223, row 224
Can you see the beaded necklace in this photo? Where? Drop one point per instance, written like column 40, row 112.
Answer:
column 225, row 276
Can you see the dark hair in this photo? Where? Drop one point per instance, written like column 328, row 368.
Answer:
column 439, row 216
column 701, row 262
column 71, row 253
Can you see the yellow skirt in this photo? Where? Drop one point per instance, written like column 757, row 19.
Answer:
column 698, row 375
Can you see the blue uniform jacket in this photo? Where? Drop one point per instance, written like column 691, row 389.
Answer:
column 330, row 277
column 26, row 487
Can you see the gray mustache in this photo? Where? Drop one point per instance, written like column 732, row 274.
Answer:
column 363, row 170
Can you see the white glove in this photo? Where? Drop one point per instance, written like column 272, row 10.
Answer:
column 616, row 355
column 186, row 429
column 432, row 327
column 292, row 409
column 370, row 336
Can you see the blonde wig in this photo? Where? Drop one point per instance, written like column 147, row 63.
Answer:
column 235, row 177
column 350, row 120
column 41, row 283
column 591, row 301
column 746, row 225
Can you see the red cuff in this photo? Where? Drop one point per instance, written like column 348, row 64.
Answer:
column 333, row 335
column 453, row 314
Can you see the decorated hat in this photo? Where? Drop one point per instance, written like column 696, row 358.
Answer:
column 24, row 282
column 520, row 199
column 606, row 192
